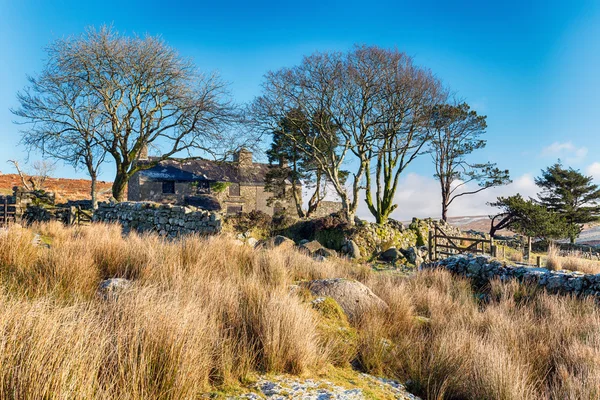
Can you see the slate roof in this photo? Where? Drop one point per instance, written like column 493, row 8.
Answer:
column 201, row 169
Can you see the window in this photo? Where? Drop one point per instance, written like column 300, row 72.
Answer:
column 234, row 209
column 202, row 187
column 168, row 187
column 234, row 189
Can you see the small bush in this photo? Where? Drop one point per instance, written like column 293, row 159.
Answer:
column 256, row 223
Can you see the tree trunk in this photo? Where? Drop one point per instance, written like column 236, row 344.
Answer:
column 347, row 210
column 93, row 191
column 119, row 185
column 444, row 212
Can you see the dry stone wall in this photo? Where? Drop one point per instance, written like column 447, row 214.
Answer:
column 165, row 219
column 481, row 269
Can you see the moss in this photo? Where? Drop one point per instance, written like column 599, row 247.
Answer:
column 339, row 336
column 329, row 309
column 219, row 187
column 331, row 238
column 350, row 379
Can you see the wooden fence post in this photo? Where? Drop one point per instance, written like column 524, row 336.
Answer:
column 539, row 261
column 6, row 211
column 430, row 246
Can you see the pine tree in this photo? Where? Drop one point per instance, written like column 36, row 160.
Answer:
column 291, row 165
column 530, row 219
column 570, row 194
column 456, row 132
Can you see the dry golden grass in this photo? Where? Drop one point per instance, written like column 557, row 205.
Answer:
column 573, row 262
column 208, row 314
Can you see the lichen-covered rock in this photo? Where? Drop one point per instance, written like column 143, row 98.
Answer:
column 311, row 247
column 411, row 254
column 391, row 255
column 351, row 250
column 371, row 238
column 354, row 297
column 279, row 241
column 111, row 288
column 360, row 387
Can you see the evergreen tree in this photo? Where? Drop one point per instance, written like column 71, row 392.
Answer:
column 291, row 165
column 571, row 194
column 530, row 219
column 456, row 132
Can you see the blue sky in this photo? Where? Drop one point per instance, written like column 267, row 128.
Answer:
column 531, row 67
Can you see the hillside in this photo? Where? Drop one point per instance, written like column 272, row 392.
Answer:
column 65, row 189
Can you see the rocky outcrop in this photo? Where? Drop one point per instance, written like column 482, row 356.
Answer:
column 165, row 219
column 363, row 387
column 354, row 297
column 481, row 269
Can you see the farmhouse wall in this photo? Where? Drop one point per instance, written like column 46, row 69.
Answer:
column 166, row 219
column 143, row 189
column 481, row 269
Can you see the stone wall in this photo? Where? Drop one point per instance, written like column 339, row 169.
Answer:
column 481, row 269
column 373, row 238
column 326, row 208
column 165, row 219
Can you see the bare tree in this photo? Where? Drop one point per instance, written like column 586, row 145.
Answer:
column 147, row 95
column 456, row 131
column 42, row 170
column 352, row 101
column 404, row 95
column 63, row 119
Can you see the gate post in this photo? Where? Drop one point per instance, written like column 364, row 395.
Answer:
column 430, row 246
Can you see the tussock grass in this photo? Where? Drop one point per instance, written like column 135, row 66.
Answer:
column 206, row 314
column 572, row 262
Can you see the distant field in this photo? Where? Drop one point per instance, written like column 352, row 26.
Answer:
column 65, row 189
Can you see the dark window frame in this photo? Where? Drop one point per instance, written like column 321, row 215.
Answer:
column 168, row 187
column 202, row 187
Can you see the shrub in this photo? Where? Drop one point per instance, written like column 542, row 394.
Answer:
column 256, row 222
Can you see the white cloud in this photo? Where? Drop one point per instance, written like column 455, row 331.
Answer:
column 567, row 150
column 594, row 170
column 419, row 196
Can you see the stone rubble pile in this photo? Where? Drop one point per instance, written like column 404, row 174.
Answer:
column 482, row 269
column 166, row 219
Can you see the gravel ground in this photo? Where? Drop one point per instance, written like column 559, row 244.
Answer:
column 283, row 387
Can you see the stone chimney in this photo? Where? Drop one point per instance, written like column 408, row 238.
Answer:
column 243, row 158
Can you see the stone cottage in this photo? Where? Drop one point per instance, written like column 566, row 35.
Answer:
column 227, row 186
